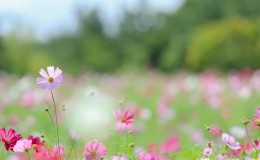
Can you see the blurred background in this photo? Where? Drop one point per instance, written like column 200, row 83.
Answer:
column 179, row 65
column 129, row 35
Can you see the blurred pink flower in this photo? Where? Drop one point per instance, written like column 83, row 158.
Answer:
column 13, row 120
column 164, row 110
column 124, row 119
column 256, row 119
column 172, row 144
column 215, row 130
column 23, row 145
column 28, row 99
column 230, row 141
column 50, row 80
column 10, row 138
column 37, row 144
column 122, row 127
column 207, row 151
column 147, row 156
column 17, row 157
column 45, row 154
column 95, row 150
column 222, row 157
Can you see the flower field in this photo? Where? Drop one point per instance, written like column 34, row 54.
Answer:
column 57, row 116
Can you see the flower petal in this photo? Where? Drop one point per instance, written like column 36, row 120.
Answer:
column 41, row 80
column 50, row 71
column 59, row 79
column 57, row 72
column 43, row 73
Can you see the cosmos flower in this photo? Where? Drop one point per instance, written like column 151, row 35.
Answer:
column 50, row 80
column 215, row 130
column 46, row 154
column 37, row 144
column 207, row 151
column 124, row 119
column 172, row 144
column 230, row 141
column 10, row 138
column 146, row 156
column 95, row 150
column 23, row 145
column 256, row 120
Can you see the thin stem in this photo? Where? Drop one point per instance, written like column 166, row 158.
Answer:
column 28, row 154
column 259, row 135
column 250, row 138
column 56, row 119
column 75, row 154
column 81, row 157
column 74, row 140
column 53, row 126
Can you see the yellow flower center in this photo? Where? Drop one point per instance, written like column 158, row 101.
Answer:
column 50, row 79
column 123, row 119
column 93, row 153
column 257, row 121
column 8, row 142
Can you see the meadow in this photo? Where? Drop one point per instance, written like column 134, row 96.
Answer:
column 176, row 116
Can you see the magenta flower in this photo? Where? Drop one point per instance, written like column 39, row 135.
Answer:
column 172, row 144
column 10, row 138
column 230, row 141
column 95, row 150
column 207, row 151
column 54, row 154
column 215, row 130
column 147, row 156
column 23, row 145
column 124, row 119
column 51, row 80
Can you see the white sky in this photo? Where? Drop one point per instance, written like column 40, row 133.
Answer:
column 46, row 17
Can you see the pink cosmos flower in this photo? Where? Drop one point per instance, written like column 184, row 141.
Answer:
column 28, row 99
column 215, row 130
column 23, row 145
column 95, row 150
column 207, row 151
column 222, row 157
column 124, row 119
column 45, row 154
column 230, row 141
column 50, row 80
column 146, row 156
column 257, row 118
column 118, row 158
column 10, row 138
column 172, row 144
column 123, row 128
column 37, row 144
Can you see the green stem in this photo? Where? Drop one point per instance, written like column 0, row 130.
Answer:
column 28, row 154
column 56, row 119
column 74, row 140
column 53, row 125
column 250, row 138
column 259, row 135
column 81, row 157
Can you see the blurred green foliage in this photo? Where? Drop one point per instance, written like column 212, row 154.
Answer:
column 220, row 35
